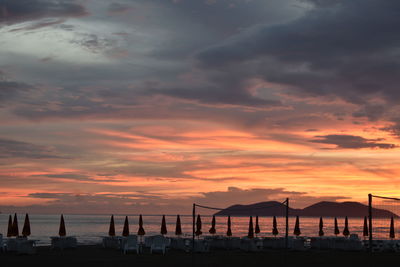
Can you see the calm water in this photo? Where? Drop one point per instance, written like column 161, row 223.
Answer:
column 90, row 228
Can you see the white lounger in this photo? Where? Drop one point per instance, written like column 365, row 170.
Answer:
column 159, row 244
column 131, row 244
column 63, row 242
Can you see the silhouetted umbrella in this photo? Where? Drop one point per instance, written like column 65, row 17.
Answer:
column 141, row 230
column 163, row 226
column 212, row 229
column 275, row 231
column 10, row 227
column 125, row 230
column 15, row 226
column 336, row 229
column 178, row 228
column 250, row 234
column 365, row 230
column 296, row 230
column 111, row 230
column 391, row 234
column 229, row 230
column 257, row 229
column 321, row 227
column 26, row 230
column 346, row 231
column 61, row 230
column 198, row 226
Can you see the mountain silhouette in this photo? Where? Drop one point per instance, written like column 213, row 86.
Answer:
column 324, row 208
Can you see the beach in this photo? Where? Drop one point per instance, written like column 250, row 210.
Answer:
column 95, row 255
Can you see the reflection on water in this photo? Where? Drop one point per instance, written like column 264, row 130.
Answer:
column 90, row 228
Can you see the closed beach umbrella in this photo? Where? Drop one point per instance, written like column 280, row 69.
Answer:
column 125, row 231
column 178, row 228
column 392, row 235
column 336, row 229
column 257, row 229
column 212, row 229
column 229, row 231
column 26, row 230
column 275, row 231
column 10, row 227
column 365, row 229
column 346, row 231
column 163, row 226
column 198, row 226
column 141, row 231
column 61, row 230
column 296, row 230
column 111, row 230
column 250, row 234
column 15, row 226
column 321, row 227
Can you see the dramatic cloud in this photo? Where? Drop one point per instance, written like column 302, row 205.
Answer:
column 11, row 148
column 352, row 141
column 328, row 51
column 25, row 10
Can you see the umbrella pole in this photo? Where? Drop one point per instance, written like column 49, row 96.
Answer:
column 370, row 220
column 193, row 228
column 287, row 224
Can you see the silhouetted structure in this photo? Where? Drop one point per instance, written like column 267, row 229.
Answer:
column 15, row 226
column 275, row 231
column 321, row 227
column 141, row 231
column 178, row 227
column 163, row 230
column 111, row 230
column 250, row 234
column 212, row 230
column 125, row 230
column 296, row 230
column 229, row 230
column 62, row 231
column 346, row 231
column 10, row 230
column 198, row 231
column 336, row 230
column 365, row 228
column 257, row 228
column 26, row 230
column 391, row 234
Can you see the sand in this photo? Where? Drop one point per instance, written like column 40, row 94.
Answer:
column 97, row 256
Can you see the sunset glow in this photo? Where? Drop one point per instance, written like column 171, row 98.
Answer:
column 133, row 106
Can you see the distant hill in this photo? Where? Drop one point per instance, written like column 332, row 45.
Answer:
column 324, row 208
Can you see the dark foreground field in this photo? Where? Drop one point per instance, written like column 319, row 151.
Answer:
column 97, row 256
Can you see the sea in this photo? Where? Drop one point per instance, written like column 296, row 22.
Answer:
column 89, row 229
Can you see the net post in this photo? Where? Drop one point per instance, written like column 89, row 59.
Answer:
column 193, row 226
column 370, row 221
column 287, row 224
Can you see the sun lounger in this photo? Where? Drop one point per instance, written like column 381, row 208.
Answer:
column 2, row 243
column 159, row 244
column 111, row 242
column 216, row 242
column 249, row 244
column 131, row 244
column 232, row 243
column 201, row 246
column 63, row 242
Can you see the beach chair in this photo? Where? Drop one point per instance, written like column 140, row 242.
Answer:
column 131, row 244
column 25, row 246
column 248, row 244
column 232, row 243
column 111, row 242
column 63, row 242
column 201, row 246
column 159, row 244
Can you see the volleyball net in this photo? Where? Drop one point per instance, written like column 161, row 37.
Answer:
column 383, row 214
column 277, row 208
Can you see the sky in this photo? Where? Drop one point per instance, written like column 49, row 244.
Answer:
column 138, row 106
